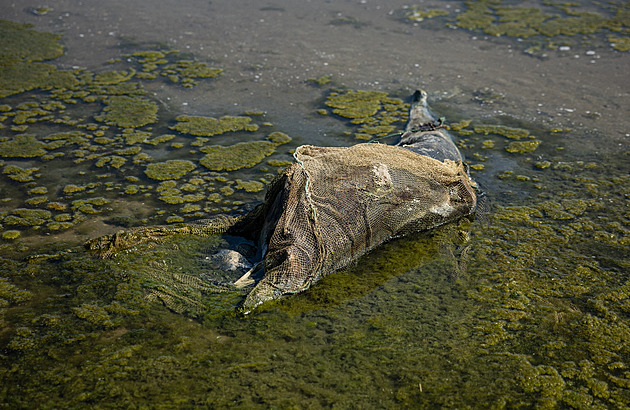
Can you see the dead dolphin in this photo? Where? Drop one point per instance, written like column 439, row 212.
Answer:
column 425, row 134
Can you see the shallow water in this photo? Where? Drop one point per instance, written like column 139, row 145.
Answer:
column 531, row 310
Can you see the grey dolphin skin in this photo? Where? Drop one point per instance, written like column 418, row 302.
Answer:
column 425, row 135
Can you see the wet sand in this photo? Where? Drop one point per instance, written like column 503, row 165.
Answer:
column 268, row 50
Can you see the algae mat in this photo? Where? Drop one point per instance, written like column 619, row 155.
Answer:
column 527, row 306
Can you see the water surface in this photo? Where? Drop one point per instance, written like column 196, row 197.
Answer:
column 525, row 306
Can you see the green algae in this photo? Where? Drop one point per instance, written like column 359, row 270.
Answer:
column 242, row 154
column 168, row 64
column 22, row 146
column 20, row 174
column 226, row 191
column 96, row 315
column 520, row 327
column 128, row 151
column 323, row 80
column 112, row 87
column 549, row 20
column 21, row 76
column 113, row 77
column 67, row 138
column 62, row 217
column 278, row 138
column 159, row 140
column 21, row 53
column 188, row 69
column 619, row 43
column 171, row 169
column 416, row 14
column 189, row 208
column 237, row 156
column 133, row 136
column 36, row 200
column 128, row 111
column 174, row 196
column 375, row 112
column 10, row 235
column 249, row 186
column 27, row 217
column 356, row 104
column 278, row 163
column 478, row 15
column 56, row 206
column 20, row 43
column 113, row 161
column 87, row 206
column 199, row 142
column 540, row 237
column 209, row 126
column 72, row 188
column 522, row 146
column 174, row 219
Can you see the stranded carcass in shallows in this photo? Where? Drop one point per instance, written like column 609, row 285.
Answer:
column 334, row 204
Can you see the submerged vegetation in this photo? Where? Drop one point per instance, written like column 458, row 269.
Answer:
column 208, row 126
column 377, row 113
column 525, row 307
column 549, row 25
column 104, row 122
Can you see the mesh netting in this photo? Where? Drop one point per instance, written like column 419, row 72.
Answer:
column 335, row 204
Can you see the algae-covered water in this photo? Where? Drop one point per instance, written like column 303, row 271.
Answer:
column 123, row 114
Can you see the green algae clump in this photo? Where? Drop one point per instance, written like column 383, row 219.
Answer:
column 20, row 174
column 556, row 19
column 477, row 16
column 619, row 43
column 21, row 76
column 249, row 186
column 128, row 111
column 28, row 217
column 72, row 188
column 237, row 156
column 174, row 219
column 10, row 235
column 19, row 42
column 356, row 104
column 22, row 146
column 242, row 154
column 113, row 77
column 209, row 126
column 419, row 15
column 522, row 146
column 279, row 138
column 171, row 169
column 374, row 110
column 94, row 314
column 21, row 50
